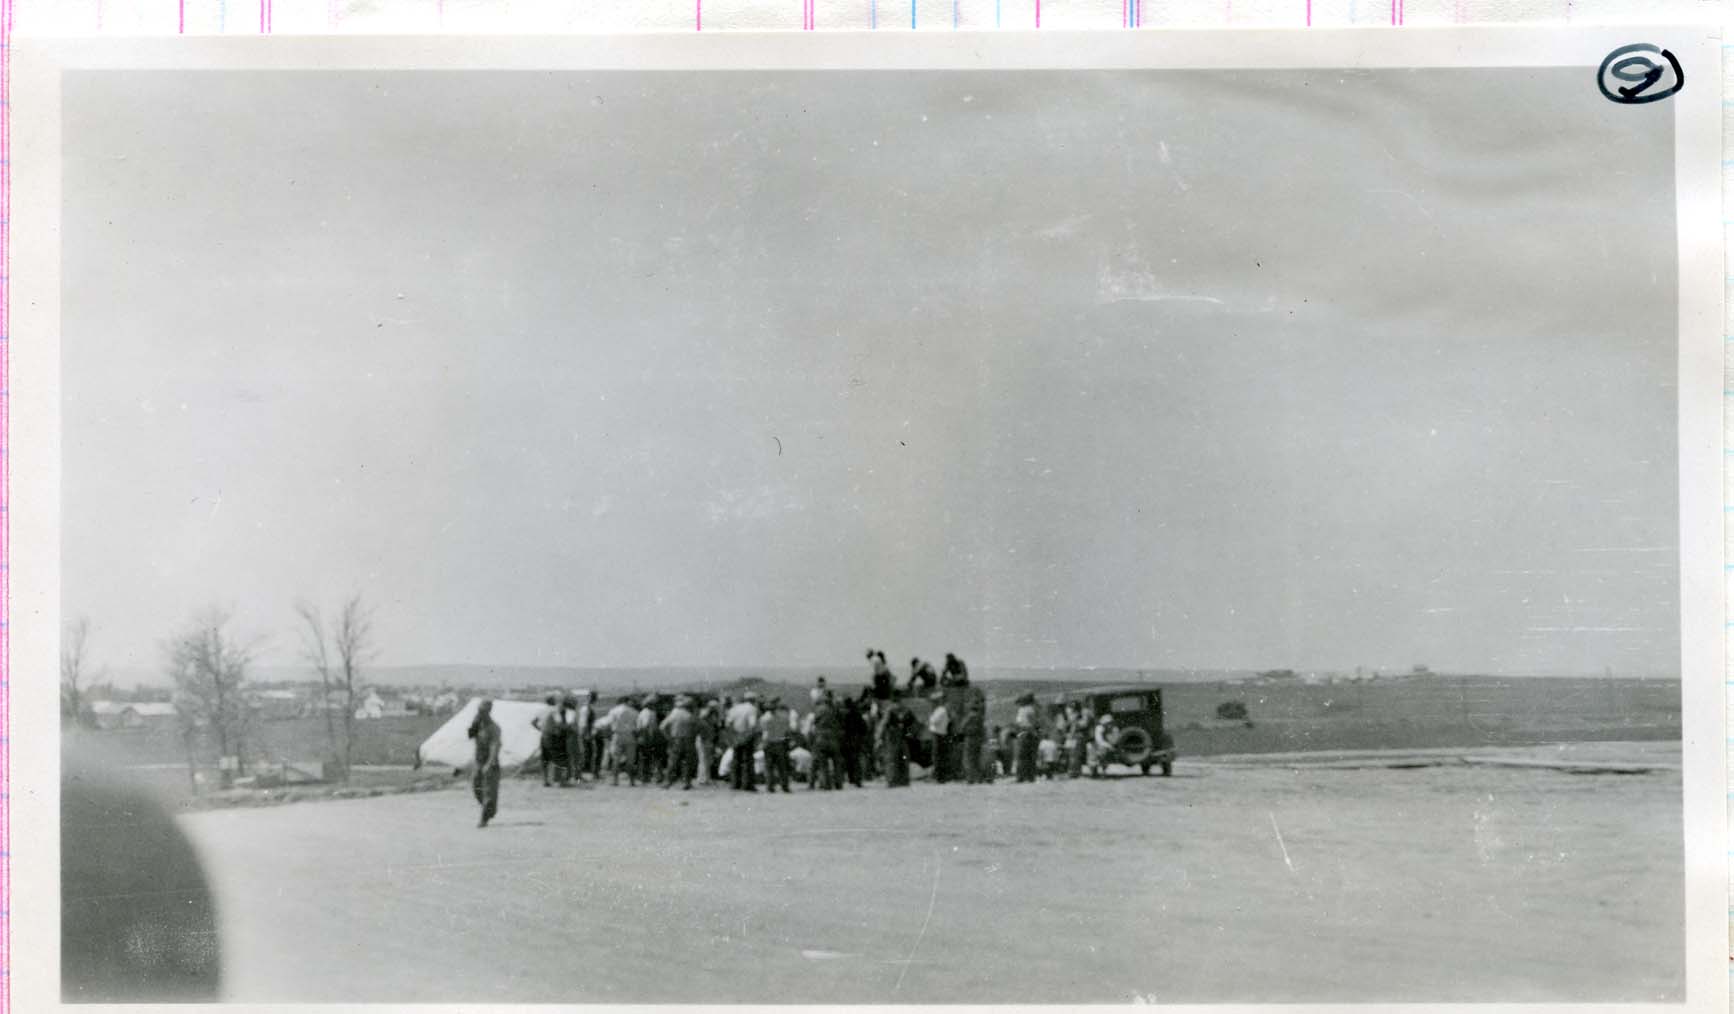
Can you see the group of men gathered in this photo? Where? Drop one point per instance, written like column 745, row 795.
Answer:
column 757, row 740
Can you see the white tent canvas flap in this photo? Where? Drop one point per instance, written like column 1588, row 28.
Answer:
column 451, row 746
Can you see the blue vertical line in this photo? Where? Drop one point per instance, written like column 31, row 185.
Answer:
column 996, row 13
column 912, row 15
column 873, row 15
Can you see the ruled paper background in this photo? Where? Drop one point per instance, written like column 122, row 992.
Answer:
column 254, row 17
column 242, row 17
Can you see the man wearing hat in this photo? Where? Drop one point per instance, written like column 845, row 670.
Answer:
column 894, row 731
column 827, row 745
column 939, row 727
column 486, row 781
column 743, row 729
column 553, row 743
column 1028, row 737
column 774, row 727
column 680, row 730
column 649, row 740
column 974, row 736
column 584, row 735
column 710, row 729
column 623, row 729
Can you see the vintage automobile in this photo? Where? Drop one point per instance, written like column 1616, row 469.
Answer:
column 1140, row 741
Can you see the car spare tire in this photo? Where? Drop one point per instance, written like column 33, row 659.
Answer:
column 1134, row 745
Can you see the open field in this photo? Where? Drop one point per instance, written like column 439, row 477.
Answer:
column 1252, row 882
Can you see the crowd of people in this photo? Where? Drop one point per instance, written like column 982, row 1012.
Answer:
column 840, row 740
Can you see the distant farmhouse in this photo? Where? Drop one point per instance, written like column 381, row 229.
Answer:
column 132, row 714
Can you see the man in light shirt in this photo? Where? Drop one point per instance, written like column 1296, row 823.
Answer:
column 939, row 726
column 743, row 729
column 647, row 742
column 680, row 729
column 623, row 729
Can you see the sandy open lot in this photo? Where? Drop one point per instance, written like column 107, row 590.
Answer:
column 1226, row 882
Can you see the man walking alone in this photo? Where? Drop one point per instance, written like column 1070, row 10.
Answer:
column 486, row 781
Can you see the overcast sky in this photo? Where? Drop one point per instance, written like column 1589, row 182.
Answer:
column 1267, row 369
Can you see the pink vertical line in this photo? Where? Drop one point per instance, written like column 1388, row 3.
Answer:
column 182, row 24
column 1309, row 13
column 1038, row 13
column 6, row 12
column 698, row 15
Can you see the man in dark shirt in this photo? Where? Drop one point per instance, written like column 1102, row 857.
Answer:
column 894, row 731
column 882, row 678
column 921, row 677
column 553, row 737
column 486, row 732
column 827, row 746
column 857, row 742
column 955, row 673
column 974, row 732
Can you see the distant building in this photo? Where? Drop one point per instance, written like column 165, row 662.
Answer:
column 370, row 707
column 133, row 715
column 279, row 705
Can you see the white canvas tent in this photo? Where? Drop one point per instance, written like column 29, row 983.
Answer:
column 451, row 746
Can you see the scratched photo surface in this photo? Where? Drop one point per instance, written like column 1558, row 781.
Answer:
column 1315, row 428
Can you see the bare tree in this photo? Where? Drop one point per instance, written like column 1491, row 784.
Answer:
column 209, row 670
column 313, row 649
column 339, row 662
column 74, row 671
column 354, row 644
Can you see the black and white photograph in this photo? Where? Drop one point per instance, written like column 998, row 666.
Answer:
column 920, row 530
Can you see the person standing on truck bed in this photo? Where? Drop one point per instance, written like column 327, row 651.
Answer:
column 882, row 680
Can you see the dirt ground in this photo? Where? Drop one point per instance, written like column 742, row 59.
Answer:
column 1227, row 882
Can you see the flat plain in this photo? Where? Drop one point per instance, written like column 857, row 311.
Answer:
column 1263, row 881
